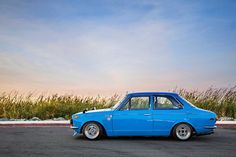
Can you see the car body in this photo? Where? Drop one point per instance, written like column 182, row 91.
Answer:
column 146, row 114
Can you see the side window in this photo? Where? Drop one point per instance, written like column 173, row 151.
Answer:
column 166, row 102
column 137, row 103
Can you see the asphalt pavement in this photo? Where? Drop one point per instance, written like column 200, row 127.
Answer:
column 59, row 142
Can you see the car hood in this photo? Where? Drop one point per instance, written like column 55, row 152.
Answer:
column 99, row 110
column 95, row 111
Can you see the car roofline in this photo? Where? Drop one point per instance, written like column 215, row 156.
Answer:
column 151, row 93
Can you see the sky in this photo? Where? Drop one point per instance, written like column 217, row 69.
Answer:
column 105, row 47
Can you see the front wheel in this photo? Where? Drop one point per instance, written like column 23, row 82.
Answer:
column 182, row 132
column 92, row 131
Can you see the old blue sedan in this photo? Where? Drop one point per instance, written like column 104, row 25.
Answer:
column 146, row 114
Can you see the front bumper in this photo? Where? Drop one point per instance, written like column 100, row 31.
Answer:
column 74, row 127
column 71, row 125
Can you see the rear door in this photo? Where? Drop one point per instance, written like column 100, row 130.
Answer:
column 166, row 112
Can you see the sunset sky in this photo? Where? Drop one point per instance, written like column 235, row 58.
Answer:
column 105, row 47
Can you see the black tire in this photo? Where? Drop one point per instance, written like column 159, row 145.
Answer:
column 97, row 130
column 182, row 132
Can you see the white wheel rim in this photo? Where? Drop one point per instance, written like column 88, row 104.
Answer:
column 183, row 131
column 91, row 131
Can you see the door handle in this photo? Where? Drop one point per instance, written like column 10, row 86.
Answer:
column 147, row 114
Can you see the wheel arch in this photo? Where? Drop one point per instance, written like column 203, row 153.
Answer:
column 172, row 129
column 93, row 121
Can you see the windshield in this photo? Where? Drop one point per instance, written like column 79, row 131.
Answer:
column 186, row 101
column 118, row 103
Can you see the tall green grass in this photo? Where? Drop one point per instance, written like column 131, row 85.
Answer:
column 222, row 101
column 18, row 106
column 14, row 105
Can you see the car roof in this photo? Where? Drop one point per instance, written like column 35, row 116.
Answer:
column 152, row 93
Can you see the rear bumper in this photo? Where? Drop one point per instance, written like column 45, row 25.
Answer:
column 210, row 127
column 206, row 130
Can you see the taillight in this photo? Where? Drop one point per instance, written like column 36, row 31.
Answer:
column 212, row 118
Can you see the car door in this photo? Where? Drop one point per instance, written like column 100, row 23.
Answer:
column 166, row 112
column 133, row 118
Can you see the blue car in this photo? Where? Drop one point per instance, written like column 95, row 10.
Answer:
column 146, row 114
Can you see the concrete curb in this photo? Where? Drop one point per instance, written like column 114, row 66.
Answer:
column 9, row 124
column 226, row 124
column 66, row 123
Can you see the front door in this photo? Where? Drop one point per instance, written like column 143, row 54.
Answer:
column 134, row 118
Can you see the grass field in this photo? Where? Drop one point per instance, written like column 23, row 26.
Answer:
column 14, row 105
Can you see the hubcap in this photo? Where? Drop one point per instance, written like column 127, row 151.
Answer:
column 91, row 131
column 183, row 131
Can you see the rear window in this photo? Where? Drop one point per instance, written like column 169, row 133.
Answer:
column 166, row 102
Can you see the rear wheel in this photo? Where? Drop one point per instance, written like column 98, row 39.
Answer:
column 92, row 131
column 183, row 132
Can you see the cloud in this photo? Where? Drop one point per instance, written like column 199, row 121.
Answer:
column 120, row 49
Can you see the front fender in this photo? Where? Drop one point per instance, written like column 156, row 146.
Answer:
column 105, row 120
